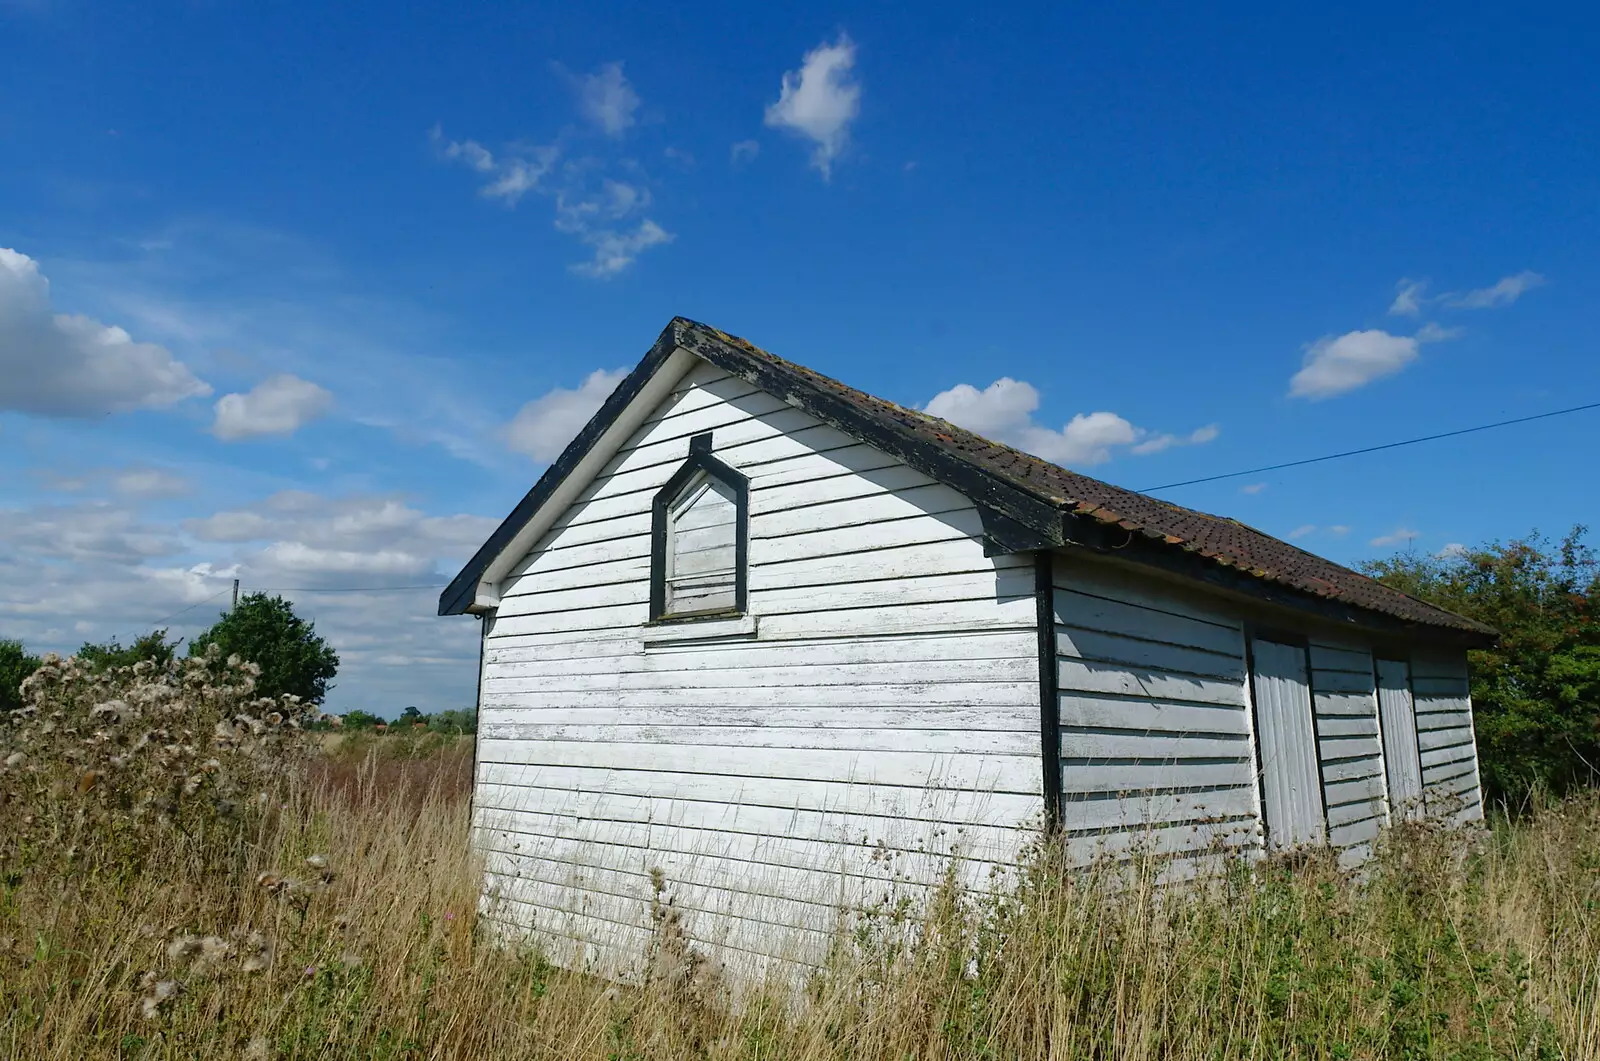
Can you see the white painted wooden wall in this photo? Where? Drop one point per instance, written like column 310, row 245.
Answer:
column 1344, row 687
column 887, row 705
column 1156, row 750
column 1444, row 734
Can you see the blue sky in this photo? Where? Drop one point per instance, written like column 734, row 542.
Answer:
column 281, row 281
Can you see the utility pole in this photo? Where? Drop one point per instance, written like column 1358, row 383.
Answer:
column 235, row 595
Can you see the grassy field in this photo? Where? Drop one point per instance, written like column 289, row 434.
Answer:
column 289, row 899
column 196, row 955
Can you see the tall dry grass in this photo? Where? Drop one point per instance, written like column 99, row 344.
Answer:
column 342, row 923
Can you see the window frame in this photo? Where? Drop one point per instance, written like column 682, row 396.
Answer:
column 700, row 462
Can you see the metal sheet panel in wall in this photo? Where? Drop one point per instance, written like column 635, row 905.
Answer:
column 1291, row 785
column 1401, row 758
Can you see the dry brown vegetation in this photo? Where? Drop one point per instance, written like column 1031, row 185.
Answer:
column 338, row 919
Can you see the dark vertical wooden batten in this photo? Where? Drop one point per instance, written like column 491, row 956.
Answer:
column 1044, row 589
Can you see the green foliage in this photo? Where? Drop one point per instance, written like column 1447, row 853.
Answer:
column 453, row 721
column 15, row 665
column 265, row 630
column 1536, row 694
column 152, row 646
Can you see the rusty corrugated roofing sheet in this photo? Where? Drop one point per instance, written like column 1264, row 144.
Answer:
column 1223, row 541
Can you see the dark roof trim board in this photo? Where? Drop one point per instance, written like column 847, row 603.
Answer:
column 643, row 388
column 1028, row 504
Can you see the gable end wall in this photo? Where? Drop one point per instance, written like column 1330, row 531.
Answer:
column 886, row 707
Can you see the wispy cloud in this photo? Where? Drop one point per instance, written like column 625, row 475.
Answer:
column 600, row 210
column 507, row 178
column 1302, row 530
column 607, row 99
column 1502, row 293
column 1451, row 551
column 1411, row 297
column 1398, row 536
column 1156, row 443
column 1252, row 488
column 543, row 427
column 149, row 483
column 1408, row 298
column 615, row 250
column 820, row 101
column 1004, row 410
column 743, row 152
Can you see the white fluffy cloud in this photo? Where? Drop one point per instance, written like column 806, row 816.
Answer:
column 100, row 570
column 278, row 405
column 1451, row 551
column 543, row 427
column 59, row 364
column 367, row 540
column 820, row 100
column 607, row 99
column 1004, row 411
column 1502, row 293
column 1337, row 364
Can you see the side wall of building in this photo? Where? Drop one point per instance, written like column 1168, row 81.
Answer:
column 1157, row 725
column 1154, row 714
column 882, row 712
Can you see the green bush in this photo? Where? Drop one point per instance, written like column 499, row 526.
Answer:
column 1536, row 694
column 294, row 661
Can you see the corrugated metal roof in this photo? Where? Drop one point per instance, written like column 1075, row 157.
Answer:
column 1223, row 541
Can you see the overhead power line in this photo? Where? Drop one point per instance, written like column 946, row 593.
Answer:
column 346, row 589
column 301, row 589
column 158, row 623
column 1371, row 449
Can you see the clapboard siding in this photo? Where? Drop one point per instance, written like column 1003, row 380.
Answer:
column 1345, row 703
column 1155, row 732
column 884, row 713
column 1445, row 735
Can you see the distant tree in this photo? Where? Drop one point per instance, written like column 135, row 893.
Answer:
column 360, row 720
column 266, row 631
column 1536, row 694
column 411, row 716
column 454, row 721
column 15, row 666
column 153, row 646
